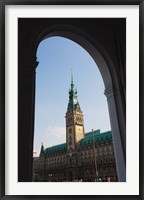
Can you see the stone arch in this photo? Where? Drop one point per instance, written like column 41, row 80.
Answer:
column 108, row 71
column 80, row 37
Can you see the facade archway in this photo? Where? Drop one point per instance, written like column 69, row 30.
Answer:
column 91, row 41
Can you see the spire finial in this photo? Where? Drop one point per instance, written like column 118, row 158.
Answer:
column 42, row 147
column 71, row 76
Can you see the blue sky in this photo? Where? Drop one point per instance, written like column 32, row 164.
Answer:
column 56, row 56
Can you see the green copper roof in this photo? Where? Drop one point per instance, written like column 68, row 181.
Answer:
column 87, row 140
column 54, row 149
column 97, row 136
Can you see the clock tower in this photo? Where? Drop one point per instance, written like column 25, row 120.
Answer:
column 74, row 120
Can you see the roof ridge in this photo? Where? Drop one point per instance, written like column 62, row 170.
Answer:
column 85, row 139
column 56, row 145
column 97, row 136
column 93, row 131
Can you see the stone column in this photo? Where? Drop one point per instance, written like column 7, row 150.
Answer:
column 26, row 103
column 112, row 94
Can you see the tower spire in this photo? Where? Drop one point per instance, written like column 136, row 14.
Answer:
column 72, row 94
column 71, row 77
column 74, row 119
column 42, row 147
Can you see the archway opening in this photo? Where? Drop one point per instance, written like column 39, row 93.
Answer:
column 57, row 56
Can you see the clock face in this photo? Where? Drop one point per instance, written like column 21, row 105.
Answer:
column 79, row 130
column 79, row 133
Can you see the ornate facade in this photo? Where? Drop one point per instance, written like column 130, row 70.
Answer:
column 84, row 156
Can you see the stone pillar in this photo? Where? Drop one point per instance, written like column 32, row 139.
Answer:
column 117, row 130
column 121, row 115
column 26, row 103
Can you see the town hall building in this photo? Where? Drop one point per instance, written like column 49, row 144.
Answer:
column 84, row 157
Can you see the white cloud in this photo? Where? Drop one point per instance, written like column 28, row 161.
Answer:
column 54, row 135
column 56, row 132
